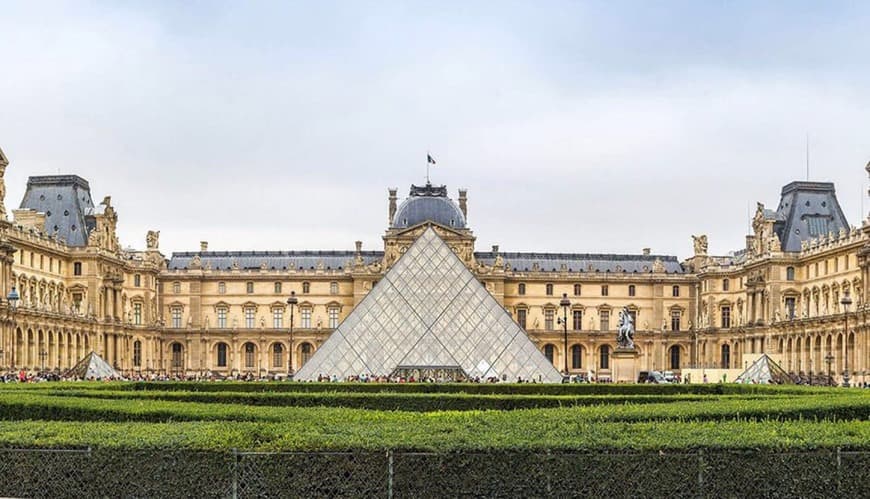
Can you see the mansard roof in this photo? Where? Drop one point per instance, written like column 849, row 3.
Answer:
column 67, row 204
column 273, row 260
column 807, row 210
column 584, row 262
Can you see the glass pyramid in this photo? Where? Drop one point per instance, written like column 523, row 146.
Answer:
column 764, row 371
column 429, row 313
column 92, row 366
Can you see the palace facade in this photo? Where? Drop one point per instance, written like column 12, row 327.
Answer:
column 200, row 312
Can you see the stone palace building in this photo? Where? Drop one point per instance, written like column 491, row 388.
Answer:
column 227, row 312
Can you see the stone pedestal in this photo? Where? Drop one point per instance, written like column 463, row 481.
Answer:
column 625, row 368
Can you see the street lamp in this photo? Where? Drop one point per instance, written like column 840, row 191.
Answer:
column 845, row 302
column 42, row 355
column 13, row 304
column 292, row 301
column 829, row 359
column 565, row 303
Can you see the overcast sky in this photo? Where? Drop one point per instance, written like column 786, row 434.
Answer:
column 575, row 126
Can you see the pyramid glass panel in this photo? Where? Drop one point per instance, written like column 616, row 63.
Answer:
column 429, row 313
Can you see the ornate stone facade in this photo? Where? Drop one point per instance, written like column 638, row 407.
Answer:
column 227, row 312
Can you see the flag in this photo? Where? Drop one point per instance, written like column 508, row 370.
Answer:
column 430, row 159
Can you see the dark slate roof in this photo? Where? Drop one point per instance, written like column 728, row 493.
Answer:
column 428, row 203
column 67, row 204
column 274, row 260
column 583, row 262
column 807, row 210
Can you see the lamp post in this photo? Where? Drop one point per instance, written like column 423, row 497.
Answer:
column 565, row 303
column 13, row 298
column 829, row 359
column 42, row 355
column 292, row 301
column 845, row 302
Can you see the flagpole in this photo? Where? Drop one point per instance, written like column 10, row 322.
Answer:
column 427, row 167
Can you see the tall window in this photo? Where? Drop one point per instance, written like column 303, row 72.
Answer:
column 137, row 280
column 333, row 288
column 726, row 317
column 222, row 317
column 137, row 353
column 137, row 314
column 277, row 318
column 631, row 290
column 176, row 287
column 333, row 317
column 726, row 356
column 306, row 288
column 306, row 352
column 675, row 357
column 176, row 317
column 548, row 318
column 605, row 320
column 549, row 289
column 577, row 289
column 222, row 288
column 249, row 317
column 549, row 352
column 576, row 357
column 789, row 274
column 604, row 361
column 249, row 355
column 521, row 288
column 277, row 288
column 222, row 355
column 306, row 317
column 249, row 287
column 605, row 290
column 675, row 291
column 726, row 284
column 675, row 320
column 789, row 307
column 521, row 317
column 577, row 315
column 177, row 356
column 77, row 268
column 277, row 355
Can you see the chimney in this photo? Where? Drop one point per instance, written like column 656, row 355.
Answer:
column 646, row 251
column 463, row 202
column 392, row 206
column 358, row 247
column 203, row 246
column 494, row 249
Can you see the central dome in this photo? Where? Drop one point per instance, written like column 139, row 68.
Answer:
column 428, row 204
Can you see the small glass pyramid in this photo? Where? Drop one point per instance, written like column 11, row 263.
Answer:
column 92, row 366
column 764, row 371
column 429, row 314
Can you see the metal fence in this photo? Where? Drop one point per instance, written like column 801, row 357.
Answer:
column 702, row 473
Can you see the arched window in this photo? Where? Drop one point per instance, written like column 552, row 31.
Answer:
column 549, row 352
column 789, row 274
column 577, row 289
column 675, row 291
column 306, row 352
column 249, row 355
column 675, row 357
column 549, row 289
column 137, row 353
column 222, row 355
column 177, row 356
column 576, row 357
column 306, row 288
column 726, row 284
column 604, row 362
column 631, row 290
column 726, row 356
column 277, row 355
column 521, row 288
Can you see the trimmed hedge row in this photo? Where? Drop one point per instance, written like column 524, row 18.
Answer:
column 126, row 406
column 441, row 432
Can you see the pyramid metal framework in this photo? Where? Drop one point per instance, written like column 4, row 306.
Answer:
column 92, row 366
column 429, row 311
column 763, row 371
